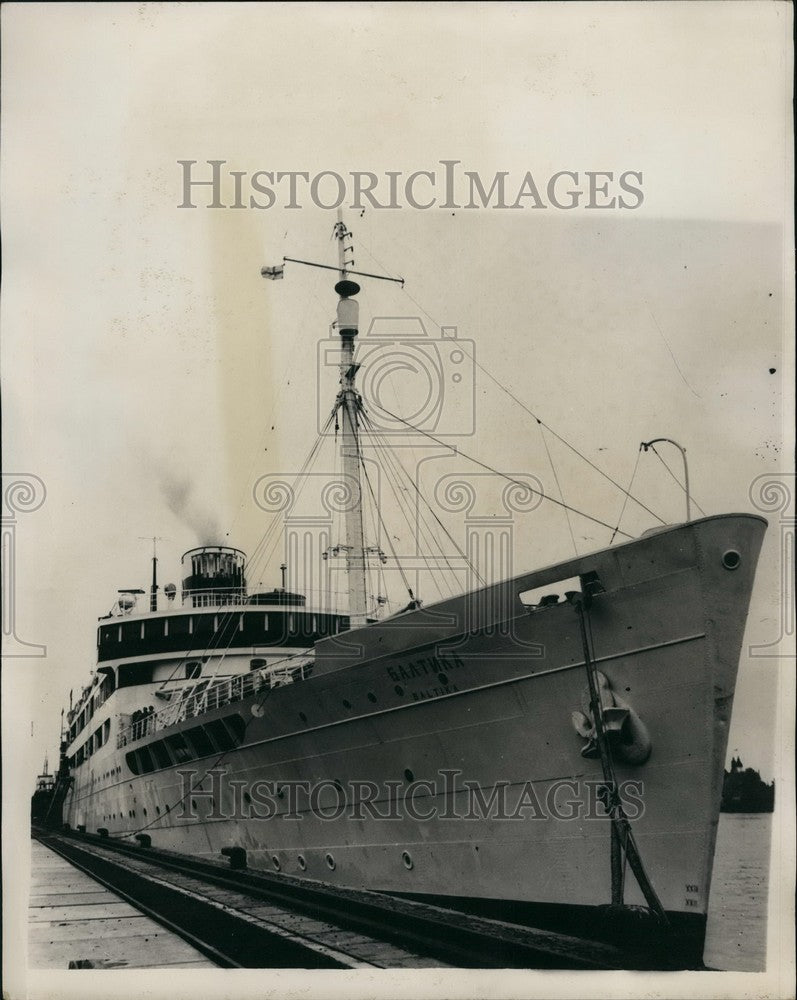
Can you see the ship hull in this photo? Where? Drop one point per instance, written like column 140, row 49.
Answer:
column 436, row 755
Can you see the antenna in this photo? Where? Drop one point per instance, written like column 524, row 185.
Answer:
column 153, row 591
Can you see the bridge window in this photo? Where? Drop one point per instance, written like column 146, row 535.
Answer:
column 179, row 625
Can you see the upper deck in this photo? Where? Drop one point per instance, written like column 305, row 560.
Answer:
column 225, row 624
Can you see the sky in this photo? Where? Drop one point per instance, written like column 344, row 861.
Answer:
column 151, row 377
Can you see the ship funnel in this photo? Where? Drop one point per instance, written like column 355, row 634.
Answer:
column 213, row 574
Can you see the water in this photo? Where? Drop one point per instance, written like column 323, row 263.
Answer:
column 737, row 915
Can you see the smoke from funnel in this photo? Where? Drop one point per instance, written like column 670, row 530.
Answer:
column 180, row 496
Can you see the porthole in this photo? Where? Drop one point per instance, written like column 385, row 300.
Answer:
column 443, row 679
column 409, row 775
column 302, row 716
column 399, row 690
column 346, row 704
column 330, row 862
column 731, row 559
column 158, row 810
column 407, row 859
column 145, row 812
column 372, row 697
column 276, row 862
column 302, row 862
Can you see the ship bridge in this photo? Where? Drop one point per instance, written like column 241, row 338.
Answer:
column 216, row 613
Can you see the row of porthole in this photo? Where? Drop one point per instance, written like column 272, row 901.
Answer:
column 106, row 774
column 406, row 858
column 408, row 775
column 373, row 699
column 133, row 812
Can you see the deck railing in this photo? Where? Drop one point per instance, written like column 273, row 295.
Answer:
column 194, row 701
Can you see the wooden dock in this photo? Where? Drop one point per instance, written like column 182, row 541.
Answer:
column 74, row 921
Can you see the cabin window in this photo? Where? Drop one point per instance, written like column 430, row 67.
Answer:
column 265, row 623
column 220, row 735
column 200, row 741
column 145, row 759
column 240, row 623
column 135, row 673
column 193, row 669
column 161, row 754
column 179, row 748
column 165, row 626
column 257, row 663
column 291, row 623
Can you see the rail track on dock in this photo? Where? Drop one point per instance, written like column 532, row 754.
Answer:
column 246, row 918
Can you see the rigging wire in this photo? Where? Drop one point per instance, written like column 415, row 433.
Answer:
column 432, row 511
column 434, row 543
column 257, row 558
column 394, row 481
column 677, row 480
column 388, row 537
column 527, row 409
column 558, row 486
column 525, row 486
column 394, row 467
column 625, row 501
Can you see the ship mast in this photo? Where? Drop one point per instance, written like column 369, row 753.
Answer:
column 348, row 402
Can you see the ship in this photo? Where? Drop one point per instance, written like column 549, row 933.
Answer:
column 546, row 748
column 41, row 799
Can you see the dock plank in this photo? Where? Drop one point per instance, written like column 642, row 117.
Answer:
column 73, row 919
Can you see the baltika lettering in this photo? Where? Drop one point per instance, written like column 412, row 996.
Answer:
column 210, row 185
column 434, row 668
